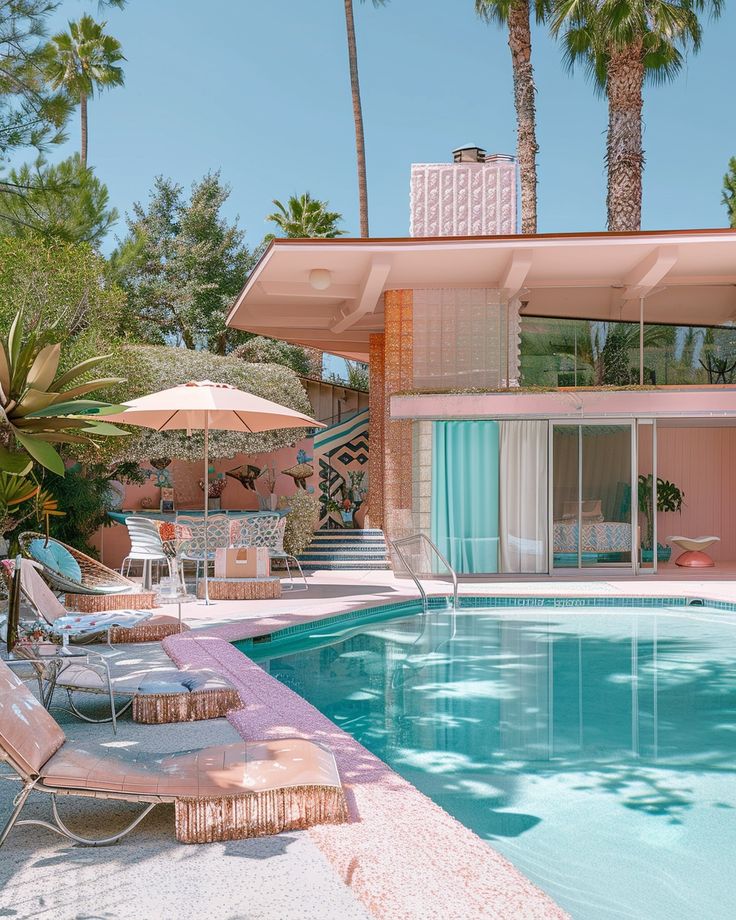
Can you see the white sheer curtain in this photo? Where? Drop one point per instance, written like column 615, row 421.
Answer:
column 523, row 506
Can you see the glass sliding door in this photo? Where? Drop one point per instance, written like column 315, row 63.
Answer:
column 594, row 495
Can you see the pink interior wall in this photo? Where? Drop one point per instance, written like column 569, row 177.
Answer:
column 702, row 463
column 113, row 542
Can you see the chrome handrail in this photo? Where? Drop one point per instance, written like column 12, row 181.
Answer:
column 397, row 545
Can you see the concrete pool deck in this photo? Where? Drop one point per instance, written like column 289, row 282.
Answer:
column 400, row 857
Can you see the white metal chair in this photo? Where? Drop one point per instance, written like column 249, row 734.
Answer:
column 145, row 547
column 192, row 549
column 268, row 530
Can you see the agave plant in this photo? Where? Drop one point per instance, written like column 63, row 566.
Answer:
column 14, row 492
column 40, row 407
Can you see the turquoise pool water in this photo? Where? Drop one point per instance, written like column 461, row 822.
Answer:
column 596, row 748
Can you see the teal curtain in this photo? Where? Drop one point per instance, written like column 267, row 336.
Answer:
column 465, row 494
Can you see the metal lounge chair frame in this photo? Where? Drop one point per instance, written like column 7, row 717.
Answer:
column 220, row 793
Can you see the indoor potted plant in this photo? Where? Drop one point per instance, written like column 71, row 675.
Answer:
column 669, row 498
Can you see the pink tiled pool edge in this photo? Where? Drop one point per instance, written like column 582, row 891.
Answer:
column 401, row 855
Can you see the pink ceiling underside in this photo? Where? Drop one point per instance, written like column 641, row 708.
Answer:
column 684, row 276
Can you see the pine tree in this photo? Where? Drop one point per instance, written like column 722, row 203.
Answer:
column 182, row 264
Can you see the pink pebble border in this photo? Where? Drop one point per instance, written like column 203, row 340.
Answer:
column 403, row 857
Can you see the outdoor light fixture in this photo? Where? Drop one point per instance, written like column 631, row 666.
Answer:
column 320, row 278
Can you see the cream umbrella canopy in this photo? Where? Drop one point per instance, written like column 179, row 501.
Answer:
column 204, row 405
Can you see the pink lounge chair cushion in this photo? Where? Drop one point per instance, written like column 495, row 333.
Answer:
column 232, row 769
column 27, row 732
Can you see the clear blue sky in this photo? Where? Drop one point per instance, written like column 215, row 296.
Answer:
column 261, row 92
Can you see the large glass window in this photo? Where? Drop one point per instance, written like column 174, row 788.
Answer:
column 563, row 352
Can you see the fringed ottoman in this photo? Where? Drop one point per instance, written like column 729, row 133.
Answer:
column 283, row 785
column 156, row 629
column 183, row 696
column 100, row 603
column 242, row 589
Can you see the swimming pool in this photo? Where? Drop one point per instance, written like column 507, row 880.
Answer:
column 594, row 747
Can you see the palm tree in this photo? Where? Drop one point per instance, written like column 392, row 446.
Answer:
column 358, row 114
column 623, row 43
column 304, row 216
column 83, row 60
column 515, row 15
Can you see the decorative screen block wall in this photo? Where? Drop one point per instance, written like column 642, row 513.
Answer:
column 422, row 478
column 463, row 199
column 464, row 337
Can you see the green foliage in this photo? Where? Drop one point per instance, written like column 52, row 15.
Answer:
column 728, row 196
column 84, row 496
column 150, row 368
column 182, row 264
column 356, row 375
column 64, row 202
column 31, row 114
column 84, row 59
column 61, row 289
column 592, row 29
column 15, row 494
column 41, row 406
column 307, row 362
column 669, row 498
column 301, row 521
column 304, row 216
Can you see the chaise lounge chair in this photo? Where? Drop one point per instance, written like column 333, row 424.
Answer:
column 113, row 625
column 246, row 789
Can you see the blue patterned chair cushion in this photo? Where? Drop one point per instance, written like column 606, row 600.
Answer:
column 55, row 557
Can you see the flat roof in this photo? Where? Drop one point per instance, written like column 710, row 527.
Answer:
column 684, row 276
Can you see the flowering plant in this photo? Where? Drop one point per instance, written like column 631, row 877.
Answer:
column 36, row 632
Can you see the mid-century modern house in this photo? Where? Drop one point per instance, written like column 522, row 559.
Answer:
column 526, row 392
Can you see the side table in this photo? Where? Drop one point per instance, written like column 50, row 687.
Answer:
column 48, row 661
column 181, row 597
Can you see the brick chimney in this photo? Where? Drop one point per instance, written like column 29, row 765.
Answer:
column 475, row 195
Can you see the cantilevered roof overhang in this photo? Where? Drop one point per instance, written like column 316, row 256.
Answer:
column 679, row 277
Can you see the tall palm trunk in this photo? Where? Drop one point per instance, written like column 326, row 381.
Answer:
column 358, row 117
column 625, row 154
column 83, row 112
column 520, row 44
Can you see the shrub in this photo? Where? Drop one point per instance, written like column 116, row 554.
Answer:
column 301, row 521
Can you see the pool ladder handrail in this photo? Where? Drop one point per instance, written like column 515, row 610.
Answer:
column 397, row 545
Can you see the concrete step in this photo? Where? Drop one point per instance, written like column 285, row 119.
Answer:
column 310, row 556
column 333, row 566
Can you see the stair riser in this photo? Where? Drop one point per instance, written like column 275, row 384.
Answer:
column 334, row 567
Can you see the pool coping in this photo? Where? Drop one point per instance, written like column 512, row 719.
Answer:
column 427, row 864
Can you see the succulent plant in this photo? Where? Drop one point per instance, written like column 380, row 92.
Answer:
column 40, row 407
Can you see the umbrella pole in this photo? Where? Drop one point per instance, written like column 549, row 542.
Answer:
column 206, row 509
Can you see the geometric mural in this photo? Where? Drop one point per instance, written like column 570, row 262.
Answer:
column 342, row 454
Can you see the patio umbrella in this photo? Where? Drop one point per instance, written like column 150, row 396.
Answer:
column 204, row 405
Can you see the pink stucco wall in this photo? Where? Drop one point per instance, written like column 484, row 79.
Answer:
column 113, row 542
column 701, row 462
